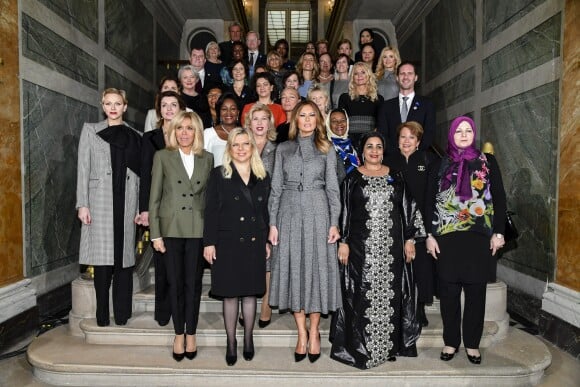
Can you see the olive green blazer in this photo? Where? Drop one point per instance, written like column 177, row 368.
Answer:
column 176, row 202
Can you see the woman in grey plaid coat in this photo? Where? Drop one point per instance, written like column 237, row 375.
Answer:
column 107, row 195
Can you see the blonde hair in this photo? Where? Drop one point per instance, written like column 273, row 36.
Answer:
column 372, row 92
column 112, row 90
column 197, row 125
column 320, row 141
column 256, row 164
column 381, row 67
column 260, row 107
column 210, row 45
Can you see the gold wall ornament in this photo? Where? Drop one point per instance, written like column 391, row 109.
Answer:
column 488, row 148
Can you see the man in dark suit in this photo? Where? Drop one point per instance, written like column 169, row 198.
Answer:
column 406, row 107
column 197, row 60
column 235, row 31
column 254, row 58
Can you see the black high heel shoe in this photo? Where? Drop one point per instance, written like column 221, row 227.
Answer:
column 177, row 356
column 190, row 355
column 448, row 356
column 231, row 359
column 472, row 358
column 301, row 356
column 249, row 352
column 264, row 323
column 314, row 356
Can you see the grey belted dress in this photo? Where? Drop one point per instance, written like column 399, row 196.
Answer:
column 304, row 203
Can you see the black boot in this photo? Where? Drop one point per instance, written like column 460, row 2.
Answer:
column 421, row 316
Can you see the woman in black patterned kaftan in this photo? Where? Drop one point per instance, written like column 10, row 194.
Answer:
column 379, row 224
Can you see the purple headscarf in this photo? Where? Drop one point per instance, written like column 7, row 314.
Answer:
column 458, row 157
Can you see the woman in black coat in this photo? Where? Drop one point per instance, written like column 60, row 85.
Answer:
column 415, row 164
column 235, row 235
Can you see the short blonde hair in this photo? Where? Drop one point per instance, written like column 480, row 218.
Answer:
column 256, row 163
column 112, row 90
column 197, row 125
column 381, row 67
column 372, row 92
column 260, row 107
column 210, row 45
column 414, row 127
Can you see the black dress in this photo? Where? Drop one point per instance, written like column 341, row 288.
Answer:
column 378, row 216
column 236, row 223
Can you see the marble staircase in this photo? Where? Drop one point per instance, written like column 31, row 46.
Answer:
column 139, row 353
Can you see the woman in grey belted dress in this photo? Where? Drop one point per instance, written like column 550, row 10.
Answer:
column 304, row 209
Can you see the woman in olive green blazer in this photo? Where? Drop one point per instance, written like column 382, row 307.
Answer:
column 176, row 205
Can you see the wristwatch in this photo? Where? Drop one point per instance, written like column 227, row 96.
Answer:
column 499, row 236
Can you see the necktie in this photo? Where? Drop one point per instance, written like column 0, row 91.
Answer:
column 404, row 110
column 251, row 59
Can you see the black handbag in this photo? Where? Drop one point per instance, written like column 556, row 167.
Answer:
column 511, row 232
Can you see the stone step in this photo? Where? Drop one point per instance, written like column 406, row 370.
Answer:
column 144, row 301
column 60, row 358
column 143, row 330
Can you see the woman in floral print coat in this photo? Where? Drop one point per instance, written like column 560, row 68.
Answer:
column 465, row 216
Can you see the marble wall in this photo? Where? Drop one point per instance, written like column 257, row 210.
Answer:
column 50, row 146
column 499, row 62
column 129, row 34
column 80, row 14
column 449, row 36
column 71, row 50
column 10, row 161
column 524, row 131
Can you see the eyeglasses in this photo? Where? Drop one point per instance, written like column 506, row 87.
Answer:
column 338, row 122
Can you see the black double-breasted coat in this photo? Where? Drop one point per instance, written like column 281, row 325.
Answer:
column 236, row 223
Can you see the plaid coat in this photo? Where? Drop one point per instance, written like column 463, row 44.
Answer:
column 95, row 191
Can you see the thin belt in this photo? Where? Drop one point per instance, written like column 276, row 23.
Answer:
column 301, row 187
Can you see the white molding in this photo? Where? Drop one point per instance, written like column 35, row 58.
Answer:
column 16, row 298
column 563, row 303
column 56, row 278
column 527, row 284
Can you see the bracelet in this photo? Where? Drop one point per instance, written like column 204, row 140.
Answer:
column 410, row 240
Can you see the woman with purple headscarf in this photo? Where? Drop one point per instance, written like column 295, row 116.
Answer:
column 465, row 213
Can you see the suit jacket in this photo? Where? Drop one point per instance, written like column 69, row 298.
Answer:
column 226, row 51
column 176, row 202
column 389, row 117
column 260, row 60
column 95, row 191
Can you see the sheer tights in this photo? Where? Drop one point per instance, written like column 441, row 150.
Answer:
column 230, row 310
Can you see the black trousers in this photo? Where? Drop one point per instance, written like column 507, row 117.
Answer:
column 122, row 279
column 473, row 313
column 424, row 273
column 162, row 299
column 184, row 266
